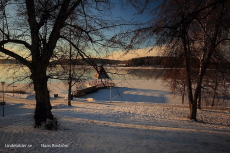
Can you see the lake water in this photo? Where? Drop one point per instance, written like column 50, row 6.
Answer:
column 21, row 74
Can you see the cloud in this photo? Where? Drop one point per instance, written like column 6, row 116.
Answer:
column 123, row 55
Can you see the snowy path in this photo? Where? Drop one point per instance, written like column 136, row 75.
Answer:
column 117, row 127
column 146, row 119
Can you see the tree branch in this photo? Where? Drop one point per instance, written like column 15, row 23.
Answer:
column 82, row 54
column 17, row 42
column 32, row 18
column 59, row 23
column 16, row 56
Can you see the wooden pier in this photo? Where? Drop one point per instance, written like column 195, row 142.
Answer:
column 93, row 88
column 102, row 81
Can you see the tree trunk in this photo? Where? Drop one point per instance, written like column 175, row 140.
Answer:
column 70, row 92
column 193, row 110
column 70, row 75
column 215, row 89
column 192, row 101
column 43, row 105
column 199, row 101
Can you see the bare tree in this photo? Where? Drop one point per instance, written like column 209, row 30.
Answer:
column 69, row 69
column 42, row 25
column 189, row 30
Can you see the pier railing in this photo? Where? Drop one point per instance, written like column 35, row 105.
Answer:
column 92, row 86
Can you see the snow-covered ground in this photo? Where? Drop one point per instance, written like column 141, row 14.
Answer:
column 138, row 116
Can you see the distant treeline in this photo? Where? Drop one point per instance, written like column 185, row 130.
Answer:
column 83, row 62
column 8, row 61
column 67, row 61
column 154, row 61
column 171, row 62
column 159, row 61
column 144, row 61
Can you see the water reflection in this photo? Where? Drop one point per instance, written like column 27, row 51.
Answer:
column 21, row 74
column 14, row 73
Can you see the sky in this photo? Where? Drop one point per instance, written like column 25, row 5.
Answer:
column 128, row 13
column 121, row 55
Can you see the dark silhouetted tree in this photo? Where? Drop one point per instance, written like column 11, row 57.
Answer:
column 40, row 26
column 188, row 30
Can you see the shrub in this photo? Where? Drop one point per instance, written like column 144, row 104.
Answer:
column 52, row 124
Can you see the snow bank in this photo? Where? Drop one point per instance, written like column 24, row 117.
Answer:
column 129, row 124
column 116, row 127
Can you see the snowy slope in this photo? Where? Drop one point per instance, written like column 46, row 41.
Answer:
column 128, row 125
